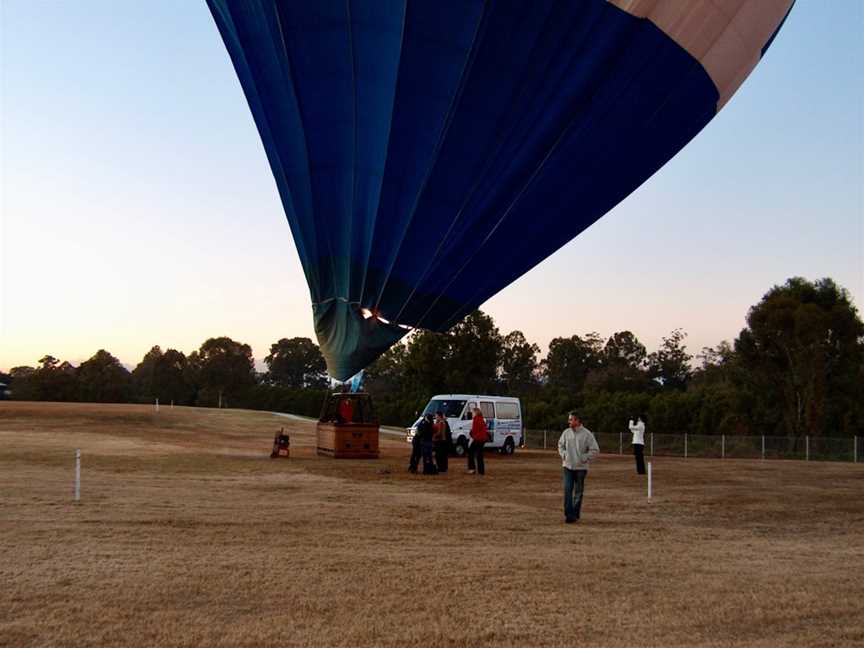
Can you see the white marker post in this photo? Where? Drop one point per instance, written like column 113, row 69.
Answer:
column 78, row 475
column 157, row 405
column 649, row 480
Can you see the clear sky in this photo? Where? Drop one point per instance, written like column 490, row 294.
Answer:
column 138, row 207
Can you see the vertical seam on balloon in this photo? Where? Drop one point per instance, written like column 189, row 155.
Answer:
column 350, row 223
column 381, row 176
column 481, row 176
column 481, row 22
column 301, row 114
column 564, row 132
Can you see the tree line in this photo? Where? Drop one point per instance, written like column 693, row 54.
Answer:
column 797, row 368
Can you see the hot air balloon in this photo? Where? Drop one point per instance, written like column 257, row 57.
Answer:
column 430, row 152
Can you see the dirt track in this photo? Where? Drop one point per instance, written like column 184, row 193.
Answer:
column 188, row 535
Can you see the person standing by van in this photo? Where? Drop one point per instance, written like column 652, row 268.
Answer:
column 577, row 447
column 421, row 445
column 479, row 436
column 441, row 439
column 638, row 442
column 426, row 430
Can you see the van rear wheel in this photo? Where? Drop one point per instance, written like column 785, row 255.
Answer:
column 509, row 446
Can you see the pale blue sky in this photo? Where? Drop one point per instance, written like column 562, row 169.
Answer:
column 138, row 207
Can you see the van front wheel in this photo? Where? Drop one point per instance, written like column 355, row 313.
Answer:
column 509, row 446
column 461, row 447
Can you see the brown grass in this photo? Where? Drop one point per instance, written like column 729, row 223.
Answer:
column 189, row 535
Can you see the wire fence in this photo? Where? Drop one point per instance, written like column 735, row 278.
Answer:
column 719, row 446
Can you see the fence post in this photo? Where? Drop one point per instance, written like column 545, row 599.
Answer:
column 722, row 446
column 649, row 480
column 807, row 448
column 78, row 475
column 620, row 443
column 652, row 444
column 544, row 439
column 763, row 446
column 685, row 445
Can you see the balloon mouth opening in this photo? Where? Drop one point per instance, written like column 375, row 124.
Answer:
column 370, row 313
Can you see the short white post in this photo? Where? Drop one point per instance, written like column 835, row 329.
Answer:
column 722, row 446
column 78, row 475
column 620, row 443
column 157, row 404
column 544, row 439
column 685, row 445
column 172, row 403
column 649, row 480
column 763, row 446
column 807, row 448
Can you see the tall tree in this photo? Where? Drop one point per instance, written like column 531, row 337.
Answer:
column 23, row 383
column 519, row 364
column 476, row 347
column 571, row 359
column 170, row 378
column 52, row 380
column 670, row 364
column 387, row 374
column 102, row 379
column 296, row 362
column 427, row 363
column 624, row 349
column 144, row 372
column 803, row 347
column 621, row 367
column 226, row 367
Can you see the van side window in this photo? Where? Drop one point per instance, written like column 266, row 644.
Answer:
column 508, row 411
column 469, row 411
column 488, row 410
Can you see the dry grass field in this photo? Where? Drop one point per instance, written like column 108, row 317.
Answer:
column 187, row 534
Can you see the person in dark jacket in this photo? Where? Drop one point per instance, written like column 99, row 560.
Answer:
column 441, row 439
column 479, row 436
column 417, row 445
column 427, row 444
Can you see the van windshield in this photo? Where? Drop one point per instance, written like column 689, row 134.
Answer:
column 451, row 408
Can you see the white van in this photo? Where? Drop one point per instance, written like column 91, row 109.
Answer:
column 503, row 416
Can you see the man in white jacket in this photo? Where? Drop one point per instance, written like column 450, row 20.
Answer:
column 638, row 443
column 577, row 447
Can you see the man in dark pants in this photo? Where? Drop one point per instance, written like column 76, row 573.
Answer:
column 638, row 442
column 577, row 447
column 423, row 430
column 479, row 436
column 427, row 445
column 442, row 439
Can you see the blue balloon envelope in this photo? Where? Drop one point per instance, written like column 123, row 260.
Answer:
column 430, row 152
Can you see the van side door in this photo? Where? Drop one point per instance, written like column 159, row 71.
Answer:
column 488, row 409
column 509, row 421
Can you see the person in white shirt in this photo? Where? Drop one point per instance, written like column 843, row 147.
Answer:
column 638, row 442
column 577, row 447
